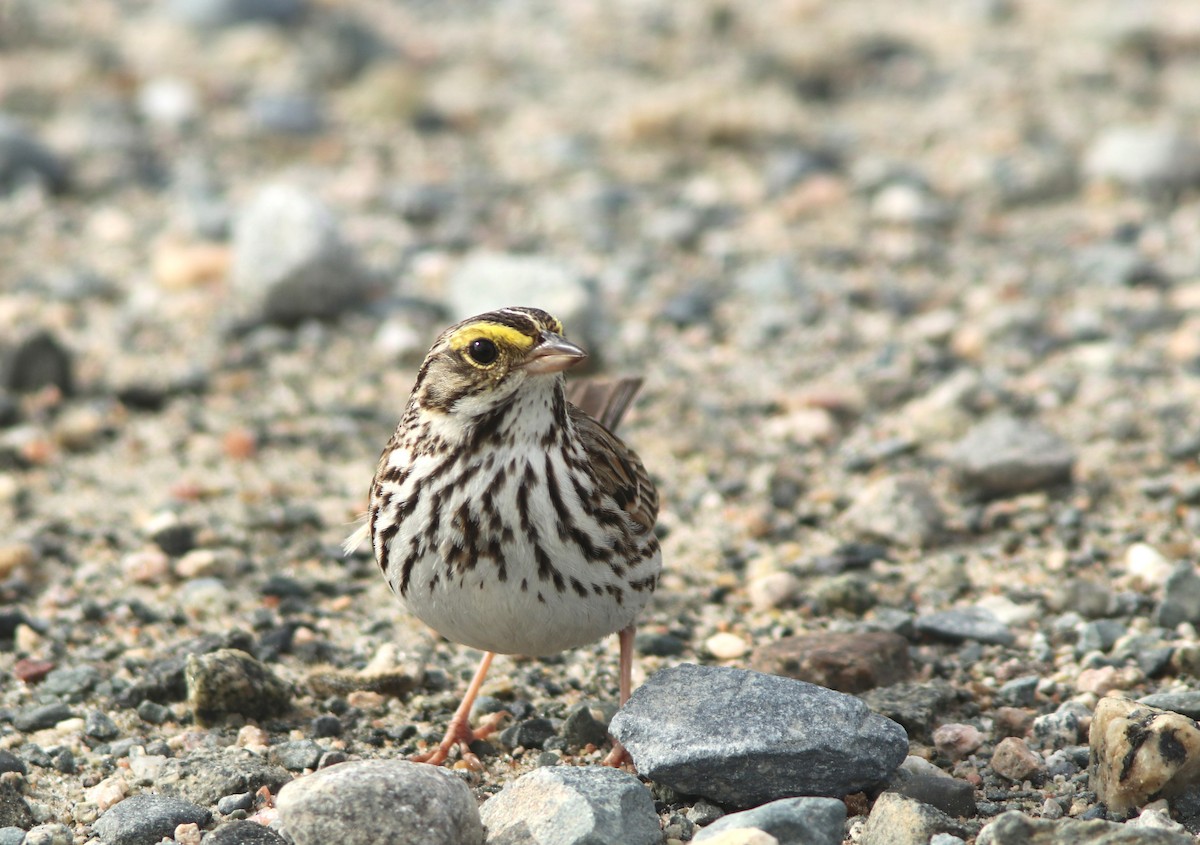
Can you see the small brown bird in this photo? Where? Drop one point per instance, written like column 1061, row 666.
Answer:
column 507, row 517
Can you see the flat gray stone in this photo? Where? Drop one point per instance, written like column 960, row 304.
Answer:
column 1013, row 828
column 899, row 820
column 902, row 511
column 964, row 623
column 25, row 159
column 1003, row 456
column 1181, row 597
column 145, row 819
column 566, row 805
column 290, row 262
column 380, row 802
column 793, row 821
column 744, row 738
column 1184, row 703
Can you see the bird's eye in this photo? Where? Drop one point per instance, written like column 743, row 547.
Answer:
column 483, row 351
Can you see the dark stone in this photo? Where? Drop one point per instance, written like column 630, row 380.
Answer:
column 35, row 361
column 848, row 662
column 243, row 833
column 147, row 818
column 914, row 706
column 531, row 733
column 952, row 796
column 581, row 728
column 39, row 718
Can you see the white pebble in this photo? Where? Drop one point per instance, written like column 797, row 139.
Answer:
column 772, row 590
column 726, row 646
column 1147, row 566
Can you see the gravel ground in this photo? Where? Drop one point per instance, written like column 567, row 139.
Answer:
column 915, row 289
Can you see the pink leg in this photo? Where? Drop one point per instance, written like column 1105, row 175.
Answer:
column 459, row 732
column 619, row 756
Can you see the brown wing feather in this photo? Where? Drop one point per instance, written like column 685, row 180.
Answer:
column 617, row 466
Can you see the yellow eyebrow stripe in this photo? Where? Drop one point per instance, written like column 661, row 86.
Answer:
column 500, row 334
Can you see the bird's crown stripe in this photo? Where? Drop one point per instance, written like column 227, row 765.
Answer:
column 493, row 331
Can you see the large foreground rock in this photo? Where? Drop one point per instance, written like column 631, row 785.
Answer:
column 1015, row 828
column 744, row 738
column 380, row 802
column 565, row 805
column 1140, row 753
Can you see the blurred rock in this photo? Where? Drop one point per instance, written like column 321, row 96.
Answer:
column 1144, row 157
column 847, row 662
column 24, row 160
column 896, row 510
column 218, row 14
column 1002, row 456
column 290, row 262
column 35, row 359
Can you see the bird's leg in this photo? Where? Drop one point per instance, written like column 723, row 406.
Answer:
column 459, row 732
column 619, row 756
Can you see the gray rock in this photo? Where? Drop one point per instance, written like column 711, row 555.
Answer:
column 286, row 113
column 1098, row 635
column 1181, row 598
column 147, row 818
column 530, row 733
column 297, row 755
column 1144, row 157
column 290, row 262
column 229, row 681
column 914, row 706
column 1019, row 692
column 49, row 834
column 488, row 280
column 1115, row 265
column 70, row 682
column 964, row 623
column 847, row 662
column 10, row 762
column 14, row 812
column 1002, row 456
column 243, row 833
column 34, row 360
column 581, row 728
column 744, row 738
column 899, row 820
column 1185, row 703
column 793, row 821
column 1061, row 728
column 896, row 510
column 25, row 159
column 206, row 776
column 218, row 14
column 1013, row 828
column 43, row 716
column 565, row 805
column 954, row 797
column 12, row 836
column 380, row 802
column 238, row 801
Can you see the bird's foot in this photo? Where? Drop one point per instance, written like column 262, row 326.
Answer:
column 459, row 733
column 618, row 758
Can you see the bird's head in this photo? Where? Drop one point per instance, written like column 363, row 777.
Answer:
column 483, row 361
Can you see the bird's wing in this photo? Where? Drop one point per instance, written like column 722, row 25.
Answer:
column 618, row 470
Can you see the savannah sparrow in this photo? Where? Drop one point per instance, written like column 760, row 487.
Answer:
column 502, row 514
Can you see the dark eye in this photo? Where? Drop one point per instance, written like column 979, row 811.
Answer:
column 482, row 351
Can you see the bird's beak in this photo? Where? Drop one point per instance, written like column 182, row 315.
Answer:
column 553, row 354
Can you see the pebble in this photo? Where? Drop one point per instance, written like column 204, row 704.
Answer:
column 286, row 112
column 32, row 360
column 296, row 755
column 1147, row 568
column 567, row 805
column 913, row 705
column 899, row 820
column 950, row 795
column 12, row 836
column 1150, row 158
column 528, row 733
column 962, row 624
column 1019, row 692
column 726, row 646
column 290, row 262
column 229, row 681
column 241, row 832
column 14, row 809
column 488, row 280
column 1185, row 703
column 581, row 729
column 847, row 662
column 1063, row 727
column 1181, row 597
column 957, row 741
column 49, row 834
column 1003, row 456
column 24, row 159
column 356, row 803
column 743, row 738
column 147, row 818
column 791, row 821
column 1014, row 760
column 205, row 776
column 42, row 716
column 742, row 836
column 896, row 510
column 1015, row 828
column 219, row 14
column 775, row 589
column 1141, row 752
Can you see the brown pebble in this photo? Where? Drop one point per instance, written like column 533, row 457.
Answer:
column 31, row 671
column 1014, row 760
column 850, row 662
column 1012, row 721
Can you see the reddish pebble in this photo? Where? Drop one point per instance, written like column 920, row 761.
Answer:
column 957, row 741
column 240, row 444
column 1014, row 760
column 31, row 671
